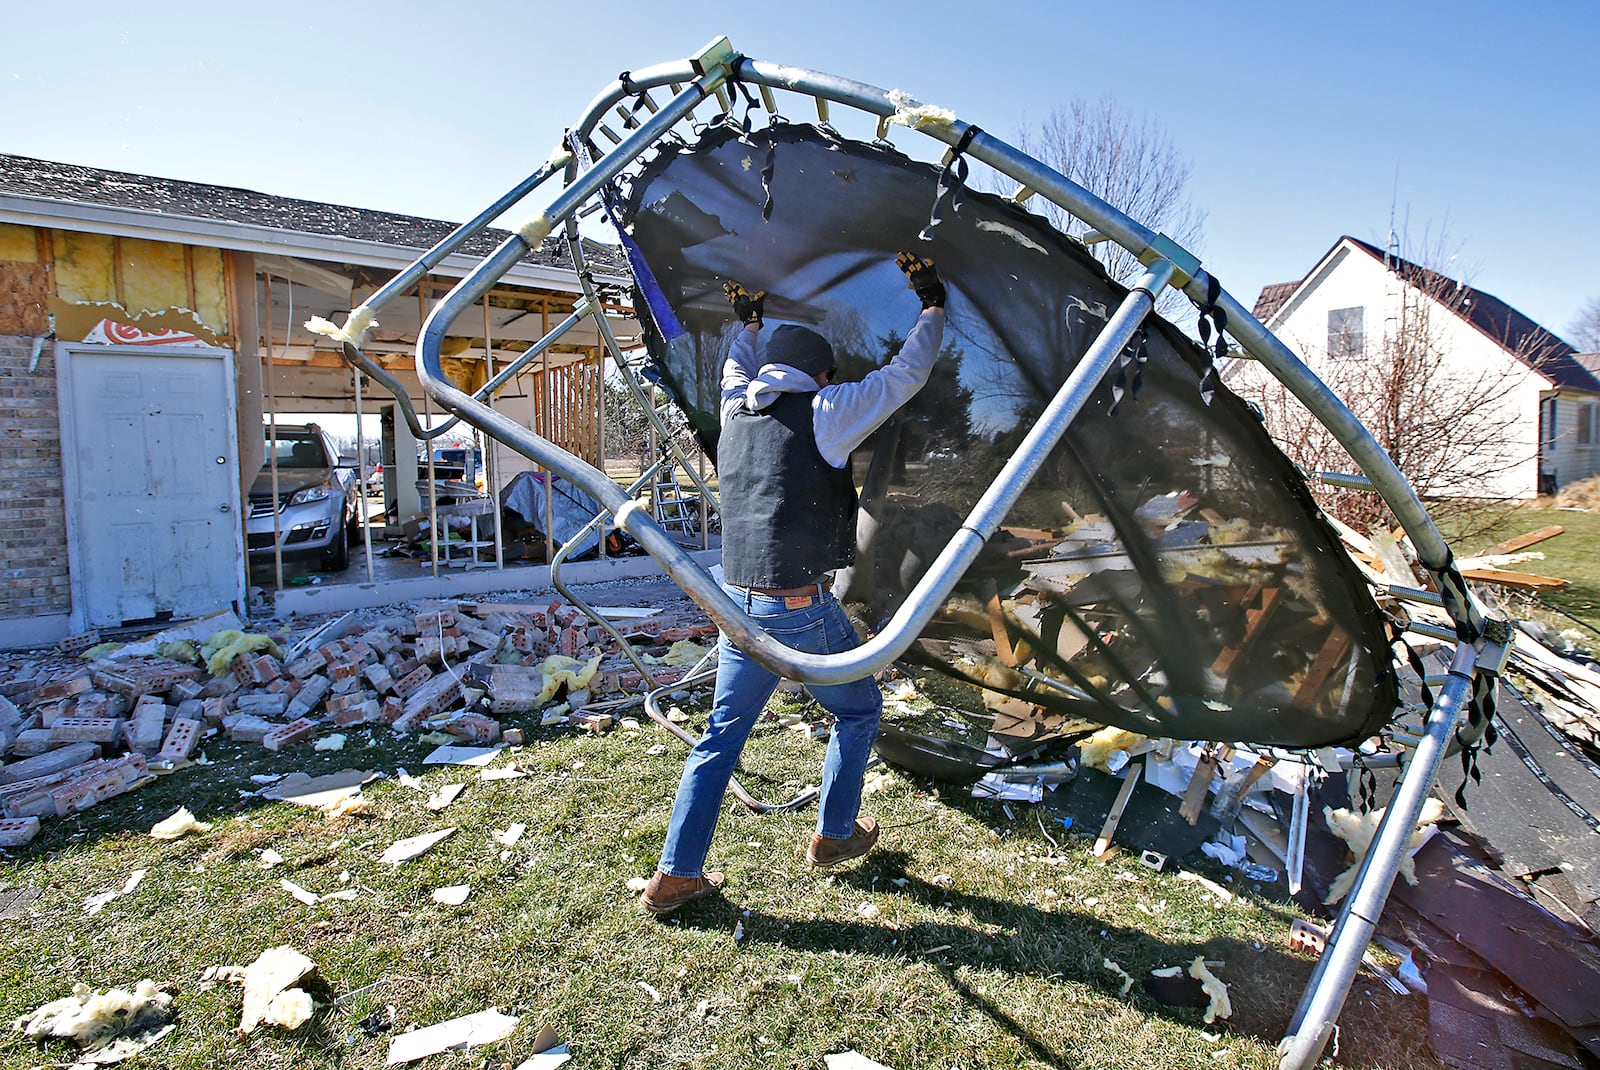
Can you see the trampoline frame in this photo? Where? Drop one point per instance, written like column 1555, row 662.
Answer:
column 1479, row 642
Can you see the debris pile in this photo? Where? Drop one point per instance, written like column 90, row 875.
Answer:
column 78, row 736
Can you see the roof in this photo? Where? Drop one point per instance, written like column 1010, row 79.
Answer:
column 46, row 180
column 1273, row 296
column 1503, row 325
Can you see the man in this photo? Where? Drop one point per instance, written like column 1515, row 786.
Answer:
column 788, row 520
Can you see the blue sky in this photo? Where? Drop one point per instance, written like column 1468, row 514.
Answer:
column 1302, row 122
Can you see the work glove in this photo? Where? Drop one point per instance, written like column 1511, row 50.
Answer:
column 746, row 308
column 924, row 279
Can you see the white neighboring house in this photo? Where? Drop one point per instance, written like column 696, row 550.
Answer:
column 1349, row 306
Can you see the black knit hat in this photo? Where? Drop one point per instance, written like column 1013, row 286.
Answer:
column 799, row 347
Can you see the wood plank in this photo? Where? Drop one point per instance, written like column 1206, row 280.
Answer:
column 1328, row 658
column 1194, row 796
column 1523, row 581
column 1522, row 542
column 1102, row 843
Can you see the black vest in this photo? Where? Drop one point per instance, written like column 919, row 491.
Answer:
column 788, row 516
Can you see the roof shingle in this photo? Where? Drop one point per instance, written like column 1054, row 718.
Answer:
column 29, row 177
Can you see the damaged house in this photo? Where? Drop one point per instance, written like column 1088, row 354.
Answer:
column 149, row 327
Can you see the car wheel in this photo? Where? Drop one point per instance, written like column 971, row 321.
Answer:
column 338, row 556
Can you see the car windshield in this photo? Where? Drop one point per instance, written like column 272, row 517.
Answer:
column 298, row 451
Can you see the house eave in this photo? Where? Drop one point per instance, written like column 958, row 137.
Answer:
column 254, row 238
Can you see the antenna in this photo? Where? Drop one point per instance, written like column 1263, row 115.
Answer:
column 1391, row 252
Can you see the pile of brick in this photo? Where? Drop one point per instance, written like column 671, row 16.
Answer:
column 74, row 737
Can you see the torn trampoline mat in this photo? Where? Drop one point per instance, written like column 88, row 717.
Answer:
column 1166, row 571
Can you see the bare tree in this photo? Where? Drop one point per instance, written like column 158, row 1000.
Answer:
column 1128, row 161
column 1451, row 426
column 1586, row 328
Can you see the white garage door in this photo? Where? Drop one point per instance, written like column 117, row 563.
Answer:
column 151, row 477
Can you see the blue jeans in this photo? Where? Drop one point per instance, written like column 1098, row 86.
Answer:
column 743, row 687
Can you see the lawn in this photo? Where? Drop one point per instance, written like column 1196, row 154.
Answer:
column 1573, row 555
column 968, row 939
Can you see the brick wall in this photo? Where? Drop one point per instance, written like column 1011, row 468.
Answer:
column 33, row 526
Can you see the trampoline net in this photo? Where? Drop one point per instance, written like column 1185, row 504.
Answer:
column 1166, row 571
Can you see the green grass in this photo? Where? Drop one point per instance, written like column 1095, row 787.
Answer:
column 1573, row 555
column 998, row 966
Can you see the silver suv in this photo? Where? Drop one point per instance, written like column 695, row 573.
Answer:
column 316, row 506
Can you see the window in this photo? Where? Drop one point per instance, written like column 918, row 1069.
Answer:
column 1588, row 433
column 1347, row 334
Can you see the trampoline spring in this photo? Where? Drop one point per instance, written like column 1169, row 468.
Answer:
column 767, row 100
column 1346, row 481
column 649, row 103
column 822, row 109
column 883, row 128
column 1093, row 237
column 1415, row 594
column 610, row 134
column 1432, row 631
column 722, row 100
column 1022, row 193
column 628, row 121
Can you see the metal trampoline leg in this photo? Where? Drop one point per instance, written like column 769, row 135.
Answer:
column 1318, row 1014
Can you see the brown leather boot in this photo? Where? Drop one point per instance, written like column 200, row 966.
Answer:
column 664, row 893
column 830, row 852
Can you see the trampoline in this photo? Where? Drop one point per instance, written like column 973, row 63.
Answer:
column 1076, row 517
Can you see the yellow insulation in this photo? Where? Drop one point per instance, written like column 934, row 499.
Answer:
column 224, row 646
column 559, row 669
column 154, row 277
column 18, row 243
column 84, row 270
column 1094, row 751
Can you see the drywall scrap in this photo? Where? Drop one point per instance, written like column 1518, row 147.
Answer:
column 484, row 1027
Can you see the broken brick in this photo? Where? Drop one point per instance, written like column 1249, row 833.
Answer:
column 49, row 762
column 365, row 713
column 74, row 683
column 411, row 681
column 305, row 700
column 379, row 677
column 145, row 727
column 17, row 831
column 474, row 728
column 246, row 727
column 92, row 729
column 181, row 741
column 215, row 709
column 31, row 742
column 263, row 705
column 288, row 735
column 514, row 736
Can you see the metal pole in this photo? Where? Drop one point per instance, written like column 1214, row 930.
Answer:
column 1315, row 1019
column 272, row 443
column 491, row 448
column 433, row 497
column 361, row 477
column 505, row 375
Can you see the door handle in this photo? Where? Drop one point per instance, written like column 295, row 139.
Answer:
column 224, row 508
